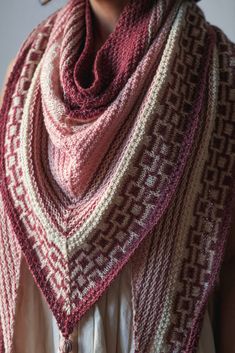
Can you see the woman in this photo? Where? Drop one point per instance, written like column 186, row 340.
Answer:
column 117, row 164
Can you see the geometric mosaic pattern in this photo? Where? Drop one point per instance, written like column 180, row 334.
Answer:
column 179, row 269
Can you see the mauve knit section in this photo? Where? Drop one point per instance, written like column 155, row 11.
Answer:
column 92, row 81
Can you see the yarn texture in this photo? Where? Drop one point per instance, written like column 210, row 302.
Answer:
column 127, row 154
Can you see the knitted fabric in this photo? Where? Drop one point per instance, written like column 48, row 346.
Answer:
column 127, row 154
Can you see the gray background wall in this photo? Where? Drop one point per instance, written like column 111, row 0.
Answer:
column 18, row 17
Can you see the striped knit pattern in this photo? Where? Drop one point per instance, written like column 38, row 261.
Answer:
column 127, row 154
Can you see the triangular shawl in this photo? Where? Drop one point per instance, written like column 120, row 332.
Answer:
column 125, row 155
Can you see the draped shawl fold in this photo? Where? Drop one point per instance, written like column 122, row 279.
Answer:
column 125, row 154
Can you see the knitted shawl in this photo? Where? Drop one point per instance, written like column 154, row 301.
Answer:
column 124, row 154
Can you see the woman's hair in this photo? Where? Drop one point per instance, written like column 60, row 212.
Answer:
column 44, row 2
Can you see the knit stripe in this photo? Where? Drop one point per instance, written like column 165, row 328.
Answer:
column 184, row 226
column 10, row 256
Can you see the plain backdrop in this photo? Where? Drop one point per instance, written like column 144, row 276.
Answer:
column 19, row 17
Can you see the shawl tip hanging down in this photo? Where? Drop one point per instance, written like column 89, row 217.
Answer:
column 123, row 155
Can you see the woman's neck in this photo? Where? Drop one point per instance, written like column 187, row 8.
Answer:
column 105, row 14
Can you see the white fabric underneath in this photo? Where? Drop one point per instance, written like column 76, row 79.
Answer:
column 105, row 328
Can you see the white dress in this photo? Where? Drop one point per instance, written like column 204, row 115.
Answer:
column 36, row 329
